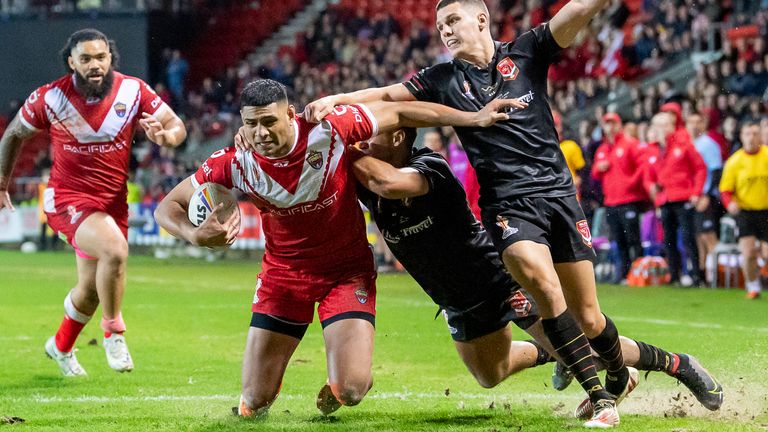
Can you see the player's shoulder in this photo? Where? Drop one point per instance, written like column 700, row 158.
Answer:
column 425, row 158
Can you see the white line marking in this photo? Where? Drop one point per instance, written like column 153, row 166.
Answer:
column 701, row 325
column 406, row 395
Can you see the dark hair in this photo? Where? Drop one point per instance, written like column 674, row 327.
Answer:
column 410, row 135
column 262, row 92
column 477, row 3
column 86, row 35
column 750, row 123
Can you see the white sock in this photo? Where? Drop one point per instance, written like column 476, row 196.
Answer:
column 754, row 286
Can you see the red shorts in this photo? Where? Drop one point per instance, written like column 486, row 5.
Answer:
column 294, row 298
column 67, row 210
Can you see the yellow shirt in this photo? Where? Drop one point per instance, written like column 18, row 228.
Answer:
column 746, row 176
column 573, row 156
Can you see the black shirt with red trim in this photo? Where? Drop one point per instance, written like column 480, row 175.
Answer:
column 516, row 157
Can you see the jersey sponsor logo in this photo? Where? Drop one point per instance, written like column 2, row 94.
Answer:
column 362, row 295
column 93, row 148
column 583, row 227
column 507, row 230
column 488, row 89
column 315, row 159
column 508, row 69
column 520, row 303
column 281, row 164
column 306, row 208
column 120, row 109
column 408, row 231
column 468, row 91
column 74, row 215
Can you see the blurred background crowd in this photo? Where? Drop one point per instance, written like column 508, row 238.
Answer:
column 705, row 62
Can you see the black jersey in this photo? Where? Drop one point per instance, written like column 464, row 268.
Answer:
column 517, row 157
column 438, row 240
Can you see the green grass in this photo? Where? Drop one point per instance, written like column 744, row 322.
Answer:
column 187, row 321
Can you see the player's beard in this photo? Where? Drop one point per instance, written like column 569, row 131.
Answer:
column 91, row 90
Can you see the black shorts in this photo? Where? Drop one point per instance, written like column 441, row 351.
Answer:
column 753, row 223
column 709, row 219
column 514, row 305
column 557, row 222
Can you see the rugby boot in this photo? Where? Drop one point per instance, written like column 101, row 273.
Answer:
column 118, row 356
column 326, row 401
column 586, row 410
column 605, row 415
column 67, row 361
column 699, row 381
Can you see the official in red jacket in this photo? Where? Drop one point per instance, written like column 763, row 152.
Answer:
column 674, row 177
column 618, row 166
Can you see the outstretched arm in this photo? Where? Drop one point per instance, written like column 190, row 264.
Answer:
column 320, row 108
column 391, row 115
column 10, row 147
column 573, row 17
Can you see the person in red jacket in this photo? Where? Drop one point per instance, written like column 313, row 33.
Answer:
column 674, row 177
column 617, row 165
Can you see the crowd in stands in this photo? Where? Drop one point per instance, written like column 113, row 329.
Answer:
column 345, row 50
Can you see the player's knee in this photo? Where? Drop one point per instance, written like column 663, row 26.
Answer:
column 591, row 325
column 488, row 379
column 115, row 254
column 258, row 401
column 350, row 394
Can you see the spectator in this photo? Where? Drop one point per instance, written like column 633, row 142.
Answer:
column 618, row 165
column 708, row 210
column 176, row 74
column 674, row 178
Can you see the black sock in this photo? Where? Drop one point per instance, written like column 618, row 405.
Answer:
column 573, row 348
column 608, row 347
column 656, row 359
column 542, row 356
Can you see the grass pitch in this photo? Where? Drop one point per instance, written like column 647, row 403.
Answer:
column 187, row 321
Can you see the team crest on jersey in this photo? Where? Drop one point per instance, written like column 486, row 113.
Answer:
column 74, row 215
column 507, row 230
column 362, row 295
column 586, row 236
column 508, row 69
column 315, row 159
column 120, row 109
column 520, row 304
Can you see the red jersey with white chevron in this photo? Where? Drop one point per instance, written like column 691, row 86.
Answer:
column 90, row 138
column 310, row 214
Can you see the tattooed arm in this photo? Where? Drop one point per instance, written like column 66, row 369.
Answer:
column 10, row 147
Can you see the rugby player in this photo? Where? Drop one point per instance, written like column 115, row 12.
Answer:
column 91, row 114
column 421, row 210
column 316, row 245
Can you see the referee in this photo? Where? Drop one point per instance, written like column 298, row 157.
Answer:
column 527, row 196
column 744, row 192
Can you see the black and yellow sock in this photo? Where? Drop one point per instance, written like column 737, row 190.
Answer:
column 656, row 359
column 608, row 347
column 572, row 346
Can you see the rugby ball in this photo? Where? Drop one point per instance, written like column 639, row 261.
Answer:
column 205, row 198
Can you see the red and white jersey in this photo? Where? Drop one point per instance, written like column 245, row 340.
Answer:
column 90, row 139
column 310, row 214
